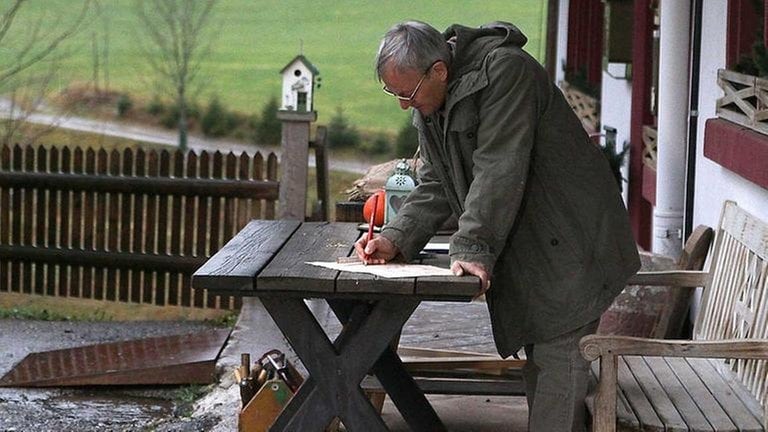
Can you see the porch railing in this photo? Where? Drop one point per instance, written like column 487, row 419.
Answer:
column 126, row 226
column 745, row 100
column 586, row 107
column 649, row 146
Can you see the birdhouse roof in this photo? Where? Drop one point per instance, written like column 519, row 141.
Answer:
column 306, row 63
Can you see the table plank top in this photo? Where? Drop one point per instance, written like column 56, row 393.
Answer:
column 269, row 257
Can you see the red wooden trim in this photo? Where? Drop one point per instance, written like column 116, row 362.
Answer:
column 649, row 184
column 585, row 38
column 742, row 23
column 765, row 23
column 574, row 34
column 642, row 49
column 738, row 149
column 594, row 48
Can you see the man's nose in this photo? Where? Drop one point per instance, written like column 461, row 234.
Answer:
column 404, row 104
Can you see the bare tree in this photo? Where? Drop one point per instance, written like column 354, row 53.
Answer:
column 100, row 49
column 24, row 84
column 178, row 41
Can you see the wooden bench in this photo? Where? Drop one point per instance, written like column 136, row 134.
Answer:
column 666, row 385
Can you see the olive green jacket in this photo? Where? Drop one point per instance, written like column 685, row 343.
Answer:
column 536, row 201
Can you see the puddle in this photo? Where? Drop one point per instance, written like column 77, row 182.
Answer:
column 82, row 410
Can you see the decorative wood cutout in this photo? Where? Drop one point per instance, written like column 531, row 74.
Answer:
column 745, row 100
column 744, row 309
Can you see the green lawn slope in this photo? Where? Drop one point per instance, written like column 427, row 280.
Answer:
column 256, row 38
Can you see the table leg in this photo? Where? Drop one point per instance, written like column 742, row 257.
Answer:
column 397, row 382
column 336, row 370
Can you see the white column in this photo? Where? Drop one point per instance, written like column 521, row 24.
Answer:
column 672, row 127
column 562, row 40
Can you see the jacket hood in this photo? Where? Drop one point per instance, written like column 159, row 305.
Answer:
column 471, row 45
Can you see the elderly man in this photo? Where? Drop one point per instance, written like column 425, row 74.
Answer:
column 540, row 218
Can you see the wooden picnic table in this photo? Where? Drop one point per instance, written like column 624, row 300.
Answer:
column 268, row 259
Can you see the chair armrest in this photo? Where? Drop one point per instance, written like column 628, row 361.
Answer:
column 595, row 346
column 676, row 278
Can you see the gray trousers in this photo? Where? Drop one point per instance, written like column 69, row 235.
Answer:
column 556, row 379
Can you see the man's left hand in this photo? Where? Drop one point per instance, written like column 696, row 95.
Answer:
column 460, row 268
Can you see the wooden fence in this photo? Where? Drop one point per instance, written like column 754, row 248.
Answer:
column 126, row 226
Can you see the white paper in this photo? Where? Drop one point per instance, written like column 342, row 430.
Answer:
column 436, row 247
column 386, row 270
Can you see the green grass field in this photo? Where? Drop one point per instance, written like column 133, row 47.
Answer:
column 256, row 38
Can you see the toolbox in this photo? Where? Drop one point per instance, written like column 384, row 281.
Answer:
column 265, row 389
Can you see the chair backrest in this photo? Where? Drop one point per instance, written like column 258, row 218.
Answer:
column 734, row 303
column 659, row 312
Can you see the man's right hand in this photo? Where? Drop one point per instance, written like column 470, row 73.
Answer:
column 378, row 251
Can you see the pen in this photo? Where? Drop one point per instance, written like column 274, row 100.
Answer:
column 370, row 223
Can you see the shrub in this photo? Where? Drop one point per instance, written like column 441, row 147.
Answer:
column 379, row 144
column 340, row 133
column 155, row 106
column 124, row 104
column 170, row 118
column 268, row 127
column 217, row 121
column 407, row 140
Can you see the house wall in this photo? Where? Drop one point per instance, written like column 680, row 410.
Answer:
column 715, row 184
column 616, row 111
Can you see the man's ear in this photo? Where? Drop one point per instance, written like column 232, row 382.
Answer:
column 441, row 70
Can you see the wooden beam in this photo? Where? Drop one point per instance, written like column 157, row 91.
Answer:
column 256, row 189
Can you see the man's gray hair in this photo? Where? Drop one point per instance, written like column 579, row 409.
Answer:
column 411, row 45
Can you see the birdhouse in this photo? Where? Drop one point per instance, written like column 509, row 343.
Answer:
column 397, row 188
column 299, row 78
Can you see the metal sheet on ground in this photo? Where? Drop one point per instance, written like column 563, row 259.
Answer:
column 181, row 359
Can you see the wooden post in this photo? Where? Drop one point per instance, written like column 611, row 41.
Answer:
column 605, row 401
column 321, row 170
column 295, row 151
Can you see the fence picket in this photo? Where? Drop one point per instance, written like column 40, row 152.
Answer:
column 271, row 175
column 113, row 231
column 150, row 228
column 177, row 288
column 89, row 212
column 190, row 225
column 39, row 235
column 76, row 236
column 215, row 219
column 163, row 230
column 138, row 208
column 202, row 232
column 100, row 240
column 27, row 221
column 259, row 173
column 5, row 215
column 51, row 218
column 64, row 228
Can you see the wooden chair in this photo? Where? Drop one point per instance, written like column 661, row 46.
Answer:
column 653, row 384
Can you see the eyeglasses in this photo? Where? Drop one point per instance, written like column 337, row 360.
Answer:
column 409, row 99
